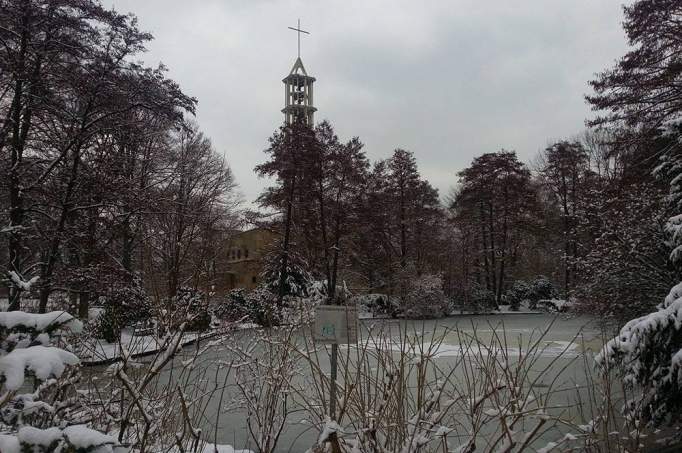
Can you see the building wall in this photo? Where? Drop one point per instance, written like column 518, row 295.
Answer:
column 243, row 263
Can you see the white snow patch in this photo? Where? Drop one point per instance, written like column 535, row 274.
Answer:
column 44, row 362
column 82, row 437
column 18, row 282
column 40, row 321
column 547, row 448
column 9, row 444
column 330, row 427
column 39, row 437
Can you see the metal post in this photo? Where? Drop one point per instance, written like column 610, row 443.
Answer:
column 332, row 387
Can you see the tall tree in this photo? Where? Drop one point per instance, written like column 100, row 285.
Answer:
column 289, row 147
column 340, row 172
column 403, row 183
column 496, row 203
column 194, row 201
column 319, row 208
column 70, row 82
column 643, row 91
column 565, row 173
column 400, row 214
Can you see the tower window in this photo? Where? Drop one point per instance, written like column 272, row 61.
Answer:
column 246, row 253
column 239, row 253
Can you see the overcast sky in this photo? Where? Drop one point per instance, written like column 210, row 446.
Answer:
column 448, row 80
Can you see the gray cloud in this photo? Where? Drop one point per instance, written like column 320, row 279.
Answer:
column 448, row 80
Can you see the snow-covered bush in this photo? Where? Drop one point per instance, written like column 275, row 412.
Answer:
column 258, row 306
column 124, row 304
column 232, row 307
column 72, row 439
column 517, row 293
column 490, row 403
column 46, row 418
column 261, row 308
column 540, row 288
column 481, row 299
column 377, row 304
column 625, row 273
column 267, row 366
column 425, row 298
column 190, row 303
column 297, row 279
column 555, row 305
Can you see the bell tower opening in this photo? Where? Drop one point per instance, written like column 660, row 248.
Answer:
column 298, row 90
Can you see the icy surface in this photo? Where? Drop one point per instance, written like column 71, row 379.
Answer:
column 557, row 348
column 210, row 448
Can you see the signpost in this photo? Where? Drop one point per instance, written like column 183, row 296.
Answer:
column 335, row 325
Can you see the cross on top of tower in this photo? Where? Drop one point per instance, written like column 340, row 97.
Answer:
column 299, row 31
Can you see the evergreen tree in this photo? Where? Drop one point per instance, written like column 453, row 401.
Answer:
column 642, row 91
column 497, row 203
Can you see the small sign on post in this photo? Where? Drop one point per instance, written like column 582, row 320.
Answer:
column 336, row 324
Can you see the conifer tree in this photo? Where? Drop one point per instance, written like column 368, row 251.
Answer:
column 642, row 91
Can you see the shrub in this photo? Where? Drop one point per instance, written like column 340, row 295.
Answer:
column 518, row 292
column 261, row 307
column 233, row 307
column 190, row 304
column 123, row 306
column 378, row 304
column 540, row 288
column 556, row 305
column 297, row 279
column 258, row 306
column 482, row 299
column 425, row 298
column 48, row 417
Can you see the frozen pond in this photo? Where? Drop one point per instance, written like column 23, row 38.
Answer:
column 564, row 342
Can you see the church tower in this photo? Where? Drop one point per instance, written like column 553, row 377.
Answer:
column 298, row 90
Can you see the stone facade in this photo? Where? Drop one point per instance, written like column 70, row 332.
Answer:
column 243, row 263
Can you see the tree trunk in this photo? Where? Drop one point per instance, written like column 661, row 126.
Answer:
column 50, row 260
column 83, row 305
column 493, row 260
column 285, row 244
column 484, row 239
column 16, row 199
